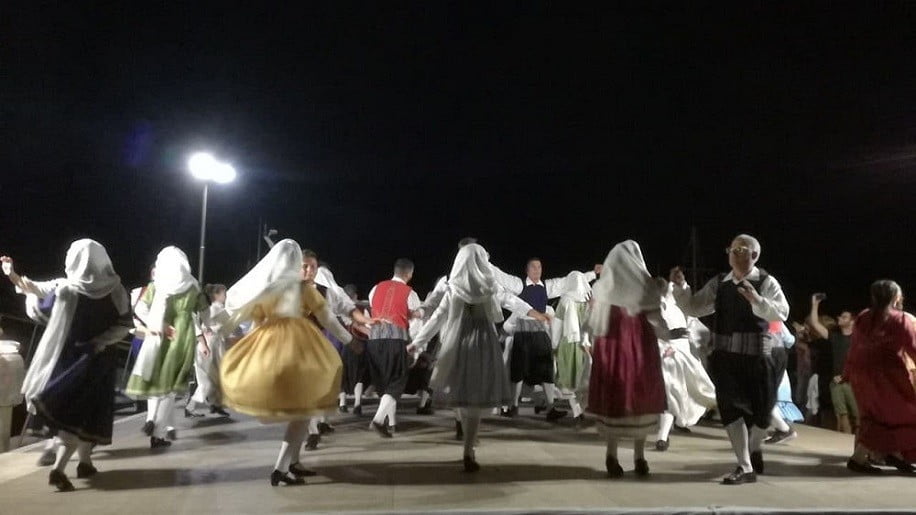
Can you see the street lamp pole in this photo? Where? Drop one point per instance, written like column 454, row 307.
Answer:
column 203, row 234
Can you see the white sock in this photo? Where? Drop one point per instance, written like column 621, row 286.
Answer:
column 778, row 422
column 84, row 451
column 518, row 393
column 392, row 410
column 152, row 406
column 550, row 393
column 458, row 414
column 611, row 446
column 66, row 446
column 639, row 449
column 757, row 436
column 382, row 410
column 342, row 399
column 50, row 444
column 164, row 416
column 357, row 394
column 424, row 396
column 292, row 439
column 665, row 421
column 313, row 426
column 471, row 426
column 737, row 435
column 576, row 407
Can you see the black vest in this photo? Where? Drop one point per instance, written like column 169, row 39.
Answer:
column 733, row 311
column 536, row 296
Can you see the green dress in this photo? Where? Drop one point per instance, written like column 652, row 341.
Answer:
column 572, row 359
column 175, row 358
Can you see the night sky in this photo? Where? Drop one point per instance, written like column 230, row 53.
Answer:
column 372, row 132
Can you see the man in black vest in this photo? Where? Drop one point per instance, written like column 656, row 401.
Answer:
column 742, row 364
column 531, row 355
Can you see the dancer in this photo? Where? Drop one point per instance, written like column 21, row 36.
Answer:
column 39, row 302
column 356, row 362
column 284, row 369
column 70, row 381
column 530, row 353
column 208, row 357
column 745, row 301
column 688, row 388
column 470, row 370
column 167, row 355
column 785, row 410
column 396, row 303
column 574, row 345
column 883, row 338
column 626, row 391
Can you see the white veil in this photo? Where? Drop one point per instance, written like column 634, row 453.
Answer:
column 625, row 282
column 273, row 275
column 90, row 273
column 472, row 280
column 575, row 290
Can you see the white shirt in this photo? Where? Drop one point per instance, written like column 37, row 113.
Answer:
column 772, row 307
column 555, row 287
column 413, row 300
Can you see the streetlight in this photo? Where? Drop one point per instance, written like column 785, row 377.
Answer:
column 205, row 167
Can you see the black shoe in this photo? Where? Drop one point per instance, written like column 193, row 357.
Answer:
column 740, row 477
column 642, row 468
column 662, row 445
column 358, row 410
column 84, row 470
column 539, row 409
column 218, row 410
column 342, row 409
column 157, row 443
column 47, row 458
column 459, row 431
column 192, row 414
column 277, row 477
column 862, row 468
column 899, row 464
column 382, row 430
column 781, row 436
column 613, row 467
column 298, row 470
column 59, row 479
column 171, row 435
column 555, row 414
column 426, row 409
column 510, row 412
column 679, row 429
column 325, row 428
column 580, row 422
column 757, row 462
column 470, row 464
column 311, row 443
column 148, row 428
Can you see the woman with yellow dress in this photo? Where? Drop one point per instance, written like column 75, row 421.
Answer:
column 284, row 370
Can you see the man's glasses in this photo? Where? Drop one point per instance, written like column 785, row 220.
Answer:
column 738, row 251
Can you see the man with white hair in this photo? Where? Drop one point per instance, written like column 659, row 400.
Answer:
column 742, row 364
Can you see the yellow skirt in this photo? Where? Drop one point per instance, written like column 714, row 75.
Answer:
column 283, row 370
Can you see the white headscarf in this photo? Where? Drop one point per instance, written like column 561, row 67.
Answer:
column 325, row 278
column 472, row 280
column 89, row 273
column 172, row 277
column 575, row 291
column 625, row 282
column 278, row 273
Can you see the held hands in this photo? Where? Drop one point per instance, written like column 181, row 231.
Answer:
column 170, row 332
column 669, row 351
column 747, row 290
column 411, row 348
column 204, row 348
column 677, row 276
column 540, row 317
column 598, row 269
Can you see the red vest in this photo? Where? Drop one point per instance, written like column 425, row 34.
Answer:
column 390, row 302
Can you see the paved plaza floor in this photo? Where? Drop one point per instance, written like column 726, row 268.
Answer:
column 220, row 465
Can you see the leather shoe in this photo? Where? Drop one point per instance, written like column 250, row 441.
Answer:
column 218, row 410
column 555, row 414
column 277, row 477
column 899, row 464
column 59, row 479
column 382, row 430
column 662, row 445
column 642, row 468
column 325, row 428
column 311, row 443
column 157, row 443
column 470, row 464
column 148, row 428
column 510, row 412
column 192, row 414
column 298, row 470
column 613, row 467
column 459, row 431
column 84, row 470
column 740, row 477
column 343, row 409
column 358, row 410
column 862, row 468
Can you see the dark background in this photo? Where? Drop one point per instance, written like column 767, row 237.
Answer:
column 370, row 132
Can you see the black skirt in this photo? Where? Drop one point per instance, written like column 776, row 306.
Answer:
column 389, row 366
column 746, row 385
column 531, row 359
column 80, row 400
